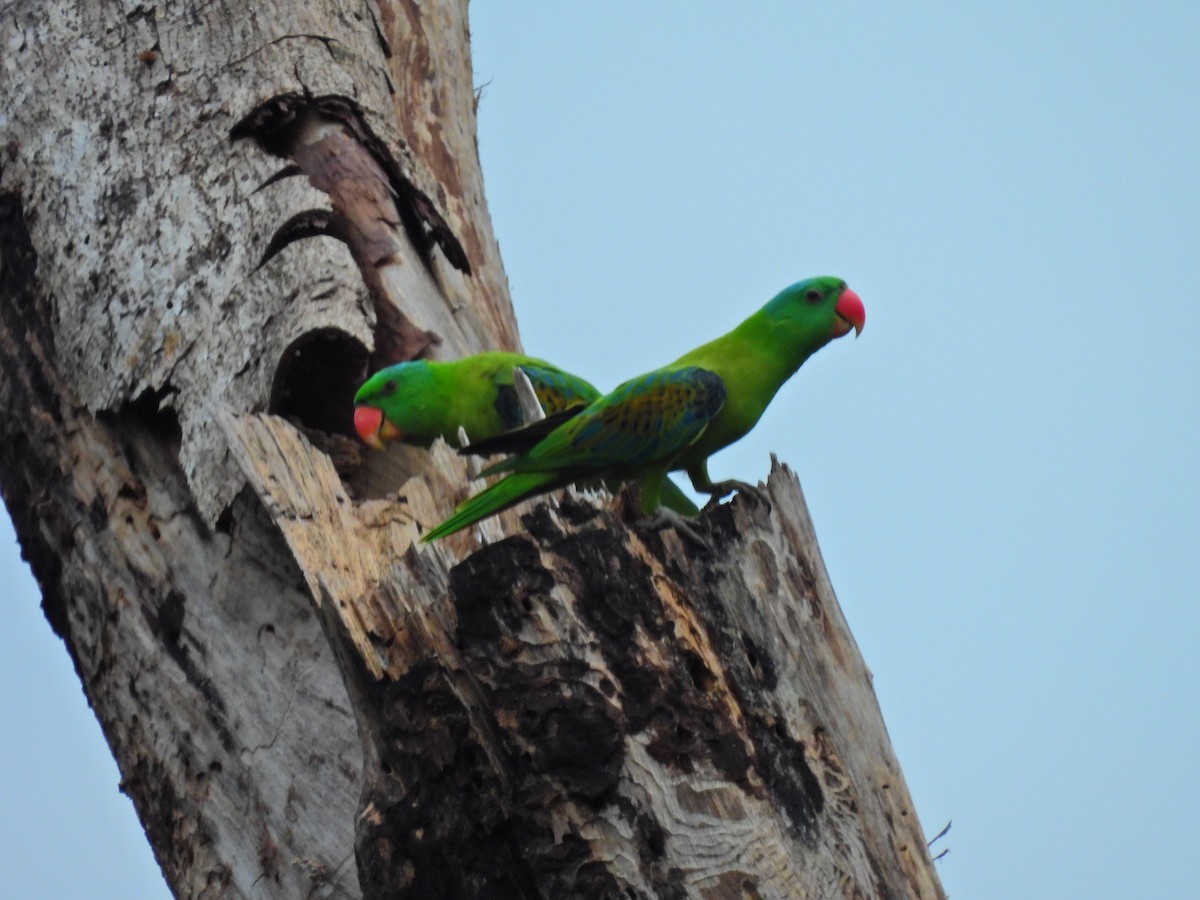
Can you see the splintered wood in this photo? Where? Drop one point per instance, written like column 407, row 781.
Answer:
column 674, row 721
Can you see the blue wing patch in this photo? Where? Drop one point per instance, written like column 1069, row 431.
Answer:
column 647, row 419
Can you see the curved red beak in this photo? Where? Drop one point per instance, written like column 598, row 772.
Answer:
column 368, row 421
column 851, row 312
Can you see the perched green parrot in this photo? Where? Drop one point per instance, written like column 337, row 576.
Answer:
column 675, row 417
column 421, row 400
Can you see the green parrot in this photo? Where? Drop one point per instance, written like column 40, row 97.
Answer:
column 675, row 417
column 421, row 400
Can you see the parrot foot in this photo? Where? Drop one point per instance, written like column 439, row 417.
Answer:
column 668, row 518
column 722, row 489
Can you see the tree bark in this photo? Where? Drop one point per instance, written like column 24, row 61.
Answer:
column 303, row 701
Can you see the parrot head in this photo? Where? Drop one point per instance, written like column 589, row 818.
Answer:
column 380, row 404
column 817, row 310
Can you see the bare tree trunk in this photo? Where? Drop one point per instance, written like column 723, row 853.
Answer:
column 300, row 699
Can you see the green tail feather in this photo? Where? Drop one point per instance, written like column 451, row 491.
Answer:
column 675, row 499
column 501, row 495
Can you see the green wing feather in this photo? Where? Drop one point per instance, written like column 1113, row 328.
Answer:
column 646, row 420
column 492, row 500
column 518, row 440
column 558, row 390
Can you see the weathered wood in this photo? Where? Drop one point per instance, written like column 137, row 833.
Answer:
column 586, row 709
column 133, row 311
column 303, row 701
column 198, row 649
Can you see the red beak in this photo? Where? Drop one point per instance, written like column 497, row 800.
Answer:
column 850, row 309
column 367, row 422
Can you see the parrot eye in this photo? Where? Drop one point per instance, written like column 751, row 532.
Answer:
column 389, row 387
column 812, row 295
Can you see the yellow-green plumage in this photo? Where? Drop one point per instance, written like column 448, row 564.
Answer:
column 427, row 399
column 422, row 400
column 677, row 416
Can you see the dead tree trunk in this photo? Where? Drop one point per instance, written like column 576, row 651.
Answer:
column 301, row 700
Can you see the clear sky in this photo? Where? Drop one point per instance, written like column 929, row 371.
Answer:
column 1001, row 469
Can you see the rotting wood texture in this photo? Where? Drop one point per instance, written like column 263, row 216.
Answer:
column 301, row 699
column 588, row 709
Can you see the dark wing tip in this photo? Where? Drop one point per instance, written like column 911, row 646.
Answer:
column 520, row 439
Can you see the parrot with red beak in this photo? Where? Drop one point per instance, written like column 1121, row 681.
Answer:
column 421, row 400
column 676, row 417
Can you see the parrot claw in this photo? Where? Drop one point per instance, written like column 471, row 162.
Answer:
column 723, row 489
column 668, row 518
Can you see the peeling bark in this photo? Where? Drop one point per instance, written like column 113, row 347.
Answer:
column 302, row 700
